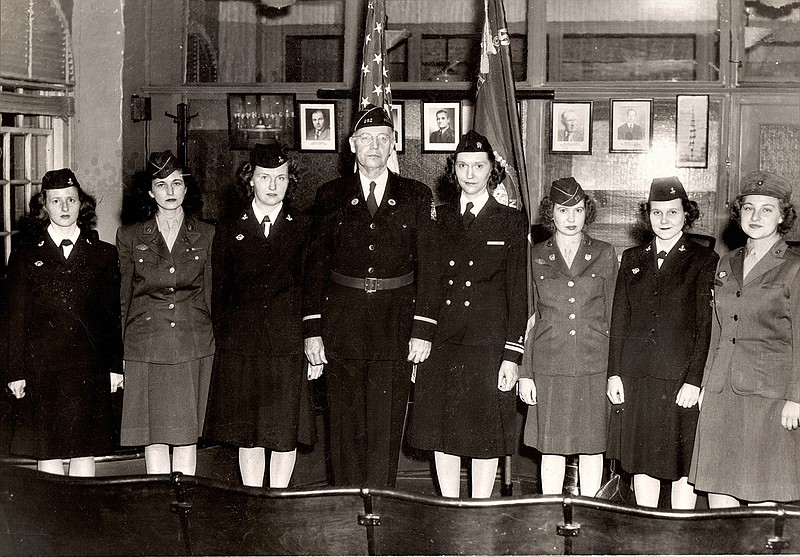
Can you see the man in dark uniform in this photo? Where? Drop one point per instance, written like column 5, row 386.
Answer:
column 359, row 313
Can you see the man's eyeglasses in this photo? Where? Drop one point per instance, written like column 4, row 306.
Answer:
column 367, row 139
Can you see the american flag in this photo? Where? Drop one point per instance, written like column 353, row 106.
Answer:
column 496, row 115
column 375, row 86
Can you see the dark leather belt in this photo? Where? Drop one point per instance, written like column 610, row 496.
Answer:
column 372, row 284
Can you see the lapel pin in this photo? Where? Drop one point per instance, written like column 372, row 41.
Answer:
column 682, row 248
column 289, row 218
column 41, row 243
column 722, row 274
column 38, row 263
column 354, row 201
column 588, row 257
column 392, row 202
column 240, row 237
column 552, row 257
column 635, row 270
column 244, row 216
column 647, row 248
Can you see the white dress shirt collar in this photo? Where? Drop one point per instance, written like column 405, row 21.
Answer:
column 380, row 185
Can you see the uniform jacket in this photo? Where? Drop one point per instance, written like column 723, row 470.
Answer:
column 64, row 313
column 256, row 300
column 756, row 327
column 661, row 321
column 346, row 239
column 572, row 309
column 166, row 297
column 480, row 279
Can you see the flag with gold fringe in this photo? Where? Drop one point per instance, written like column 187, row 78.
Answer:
column 375, row 86
column 496, row 115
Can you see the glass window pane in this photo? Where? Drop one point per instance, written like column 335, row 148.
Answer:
column 631, row 40
column 424, row 46
column 771, row 42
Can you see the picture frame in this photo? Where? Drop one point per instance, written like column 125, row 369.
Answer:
column 631, row 126
column 691, row 131
column 317, row 126
column 398, row 117
column 441, row 126
column 256, row 118
column 571, row 127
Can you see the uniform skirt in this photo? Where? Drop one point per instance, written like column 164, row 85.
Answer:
column 260, row 401
column 458, row 408
column 742, row 450
column 165, row 403
column 64, row 414
column 569, row 416
column 649, row 433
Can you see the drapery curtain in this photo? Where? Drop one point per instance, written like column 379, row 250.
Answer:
column 238, row 41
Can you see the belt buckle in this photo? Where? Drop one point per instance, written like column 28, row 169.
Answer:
column 370, row 285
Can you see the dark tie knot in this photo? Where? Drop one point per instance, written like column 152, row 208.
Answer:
column 265, row 220
column 468, row 216
column 662, row 254
column 66, row 243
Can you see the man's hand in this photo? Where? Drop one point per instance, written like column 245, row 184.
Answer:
column 315, row 351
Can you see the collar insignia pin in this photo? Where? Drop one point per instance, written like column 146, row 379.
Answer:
column 38, row 263
column 722, row 274
column 240, row 237
column 635, row 270
column 588, row 257
column 552, row 257
column 354, row 201
column 392, row 202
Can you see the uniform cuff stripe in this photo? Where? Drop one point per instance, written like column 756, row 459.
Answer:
column 314, row 316
column 426, row 319
column 515, row 348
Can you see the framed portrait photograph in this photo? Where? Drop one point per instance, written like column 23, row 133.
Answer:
column 691, row 131
column 441, row 126
column 631, row 127
column 317, row 126
column 260, row 118
column 398, row 117
column 571, row 127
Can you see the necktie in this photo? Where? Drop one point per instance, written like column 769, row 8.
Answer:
column 265, row 222
column 372, row 204
column 569, row 254
column 65, row 247
column 749, row 262
column 468, row 215
column 662, row 255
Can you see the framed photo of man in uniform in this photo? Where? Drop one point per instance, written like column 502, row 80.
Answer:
column 317, row 126
column 571, row 127
column 631, row 126
column 441, row 126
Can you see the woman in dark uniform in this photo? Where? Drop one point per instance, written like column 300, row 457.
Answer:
column 660, row 332
column 166, row 318
column 748, row 446
column 65, row 339
column 566, row 352
column 464, row 398
column 259, row 397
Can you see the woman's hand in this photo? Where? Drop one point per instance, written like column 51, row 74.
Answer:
column 315, row 351
column 17, row 388
column 526, row 389
column 790, row 415
column 507, row 376
column 614, row 391
column 314, row 372
column 418, row 350
column 688, row 395
column 117, row 381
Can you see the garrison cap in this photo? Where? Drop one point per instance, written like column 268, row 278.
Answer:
column 666, row 189
column 567, row 191
column 372, row 115
column 59, row 179
column 268, row 155
column 161, row 164
column 473, row 142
